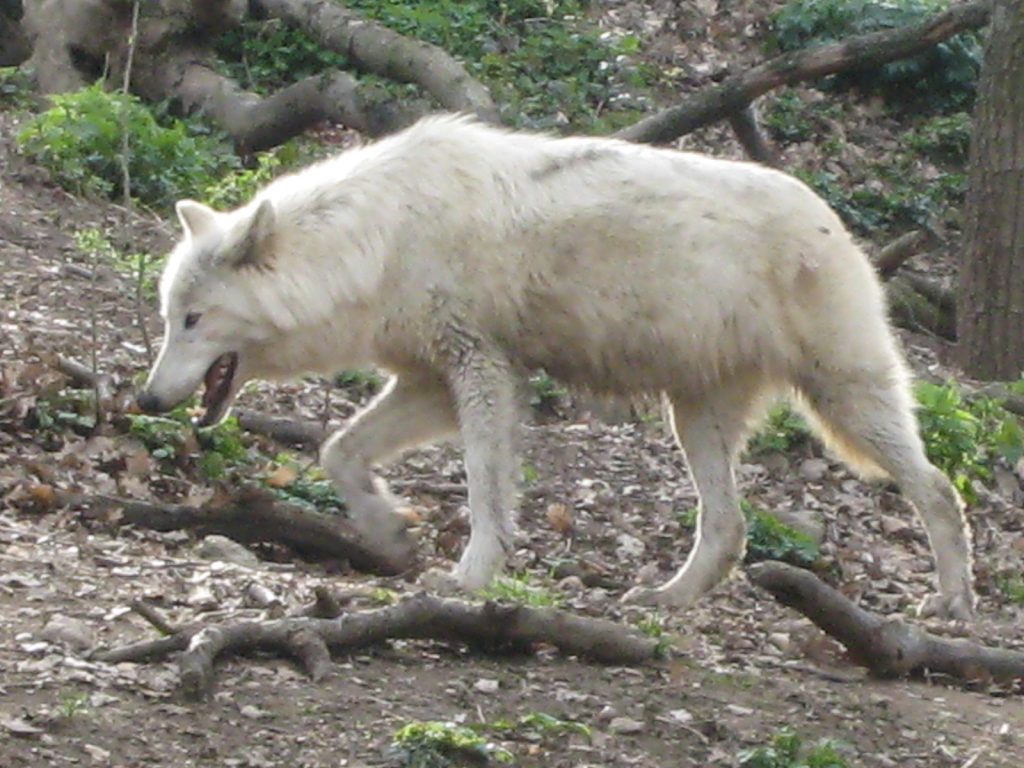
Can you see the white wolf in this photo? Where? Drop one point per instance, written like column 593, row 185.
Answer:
column 458, row 255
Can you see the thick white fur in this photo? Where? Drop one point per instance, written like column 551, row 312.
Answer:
column 457, row 255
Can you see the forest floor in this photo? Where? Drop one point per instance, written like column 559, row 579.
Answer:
column 608, row 496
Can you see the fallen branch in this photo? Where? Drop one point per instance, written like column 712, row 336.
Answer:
column 888, row 648
column 735, row 93
column 288, row 431
column 254, row 515
column 255, row 122
column 375, row 49
column 493, row 627
column 895, row 254
column 748, row 133
column 919, row 304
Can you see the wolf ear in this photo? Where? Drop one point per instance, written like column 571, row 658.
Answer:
column 195, row 218
column 255, row 247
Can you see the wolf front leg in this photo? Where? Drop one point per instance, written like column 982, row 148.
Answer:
column 484, row 389
column 411, row 410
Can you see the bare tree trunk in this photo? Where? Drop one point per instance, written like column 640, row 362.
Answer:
column 991, row 293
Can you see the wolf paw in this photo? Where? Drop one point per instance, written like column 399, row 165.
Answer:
column 957, row 607
column 661, row 597
column 384, row 530
column 482, row 560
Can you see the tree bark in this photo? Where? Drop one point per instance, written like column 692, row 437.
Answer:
column 991, row 291
column 735, row 93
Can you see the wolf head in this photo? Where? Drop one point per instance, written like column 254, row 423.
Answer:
column 209, row 329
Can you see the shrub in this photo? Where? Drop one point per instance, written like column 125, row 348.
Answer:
column 787, row 751
column 944, row 77
column 79, row 140
column 962, row 437
column 438, row 745
column 943, row 139
column 267, row 55
column 768, row 538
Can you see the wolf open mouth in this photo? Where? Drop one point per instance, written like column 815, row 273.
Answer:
column 218, row 380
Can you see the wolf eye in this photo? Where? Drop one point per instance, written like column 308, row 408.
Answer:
column 191, row 319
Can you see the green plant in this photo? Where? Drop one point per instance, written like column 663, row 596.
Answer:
column 73, row 704
column 362, row 384
column 943, row 138
column 535, row 726
column 94, row 242
column 789, row 118
column 964, row 437
column 768, row 538
column 544, row 61
column 517, row 589
column 267, row 55
column 652, row 624
column 171, row 438
column 787, row 751
column 545, row 392
column 1012, row 586
column 435, row 744
column 782, row 431
column 79, row 140
column 944, row 77
column 233, row 189
column 15, row 88
column 73, row 409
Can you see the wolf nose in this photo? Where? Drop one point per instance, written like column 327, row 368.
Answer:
column 148, row 403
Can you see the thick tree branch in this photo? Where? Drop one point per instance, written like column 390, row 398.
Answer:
column 254, row 515
column 378, row 50
column 895, row 254
column 888, row 648
column 255, row 122
column 744, row 125
column 735, row 93
column 489, row 626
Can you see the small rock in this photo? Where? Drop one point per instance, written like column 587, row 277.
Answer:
column 486, row 685
column 252, row 712
column 98, row 754
column 813, row 470
column 625, row 725
column 64, row 630
column 681, row 715
column 780, row 640
column 215, row 547
column 572, row 584
column 805, row 521
column 629, row 546
column 607, row 713
column 775, row 463
column 736, row 709
column 893, row 526
column 648, row 574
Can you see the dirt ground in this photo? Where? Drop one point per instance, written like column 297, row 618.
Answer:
column 743, row 669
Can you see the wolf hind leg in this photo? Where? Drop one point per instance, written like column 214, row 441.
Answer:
column 867, row 417
column 710, row 432
column 410, row 411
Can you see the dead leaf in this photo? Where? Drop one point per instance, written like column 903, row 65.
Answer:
column 560, row 517
column 283, row 476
